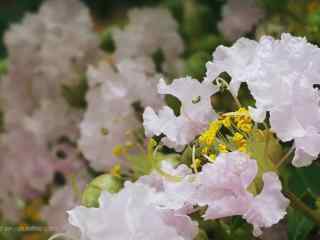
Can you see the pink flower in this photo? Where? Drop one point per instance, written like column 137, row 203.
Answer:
column 195, row 113
column 131, row 214
column 223, row 187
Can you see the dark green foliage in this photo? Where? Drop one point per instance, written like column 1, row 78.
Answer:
column 299, row 226
column 195, row 64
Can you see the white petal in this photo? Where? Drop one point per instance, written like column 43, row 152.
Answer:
column 269, row 207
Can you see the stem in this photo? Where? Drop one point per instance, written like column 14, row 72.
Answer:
column 194, row 159
column 285, row 157
column 297, row 203
column 236, row 100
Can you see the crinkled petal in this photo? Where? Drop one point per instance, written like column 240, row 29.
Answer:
column 269, row 207
column 257, row 114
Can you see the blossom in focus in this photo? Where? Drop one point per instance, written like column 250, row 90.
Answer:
column 175, row 189
column 280, row 75
column 223, row 187
column 195, row 113
column 131, row 214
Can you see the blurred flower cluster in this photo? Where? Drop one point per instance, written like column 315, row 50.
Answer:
column 178, row 120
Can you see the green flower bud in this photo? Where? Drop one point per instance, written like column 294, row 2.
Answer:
column 91, row 196
column 106, row 182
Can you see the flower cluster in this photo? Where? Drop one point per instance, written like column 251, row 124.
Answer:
column 239, row 17
column 101, row 137
column 54, row 56
column 281, row 75
column 117, row 85
column 226, row 175
column 47, row 52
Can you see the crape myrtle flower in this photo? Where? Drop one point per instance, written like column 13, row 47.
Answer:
column 150, row 30
column 195, row 113
column 224, row 187
column 62, row 200
column 239, row 17
column 110, row 118
column 281, row 75
column 131, row 214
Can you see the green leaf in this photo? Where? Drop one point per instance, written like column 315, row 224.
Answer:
column 299, row 226
column 186, row 156
column 266, row 149
column 305, row 180
column 195, row 64
column 143, row 164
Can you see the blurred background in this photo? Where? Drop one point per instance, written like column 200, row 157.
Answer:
column 201, row 26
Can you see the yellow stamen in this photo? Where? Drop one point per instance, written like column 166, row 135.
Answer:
column 239, row 139
column 222, row 148
column 208, row 137
column 243, row 149
column 226, row 121
column 118, row 151
column 116, row 170
column 205, row 150
column 212, row 157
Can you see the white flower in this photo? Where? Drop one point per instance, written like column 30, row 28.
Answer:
column 268, row 207
column 149, row 30
column 48, row 50
column 52, row 47
column 131, row 214
column 62, row 200
column 233, row 60
column 138, row 75
column 26, row 168
column 195, row 113
column 108, row 120
column 280, row 75
column 175, row 190
column 223, row 187
column 239, row 17
column 52, row 120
